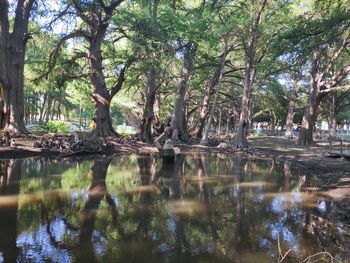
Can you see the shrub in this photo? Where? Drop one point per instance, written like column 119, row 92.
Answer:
column 58, row 126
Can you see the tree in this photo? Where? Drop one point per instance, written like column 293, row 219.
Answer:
column 12, row 59
column 96, row 17
column 178, row 116
column 250, row 46
column 320, row 43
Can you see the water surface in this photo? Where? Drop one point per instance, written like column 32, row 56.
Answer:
column 147, row 209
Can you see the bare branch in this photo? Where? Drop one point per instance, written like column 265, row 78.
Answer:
column 335, row 88
column 334, row 57
column 117, row 87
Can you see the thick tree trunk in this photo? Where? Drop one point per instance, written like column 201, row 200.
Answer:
column 291, row 113
column 148, row 113
column 12, row 59
column 310, row 110
column 101, row 96
column 103, row 122
column 179, row 107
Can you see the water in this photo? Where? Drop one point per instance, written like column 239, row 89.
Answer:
column 145, row 209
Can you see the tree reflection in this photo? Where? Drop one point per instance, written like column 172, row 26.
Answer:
column 146, row 170
column 206, row 193
column 10, row 176
column 193, row 209
column 242, row 229
column 97, row 192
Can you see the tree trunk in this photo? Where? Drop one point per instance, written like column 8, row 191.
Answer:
column 179, row 107
column 49, row 108
column 291, row 113
column 204, row 139
column 332, row 115
column 218, row 132
column 208, row 92
column 156, row 109
column 101, row 96
column 318, row 134
column 103, row 122
column 308, row 122
column 12, row 59
column 243, row 125
column 314, row 99
column 249, row 74
column 148, row 113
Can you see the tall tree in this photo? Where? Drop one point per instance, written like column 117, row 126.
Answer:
column 96, row 16
column 325, row 76
column 250, row 45
column 319, row 39
column 12, row 59
column 178, row 116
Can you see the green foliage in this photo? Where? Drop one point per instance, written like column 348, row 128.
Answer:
column 58, row 126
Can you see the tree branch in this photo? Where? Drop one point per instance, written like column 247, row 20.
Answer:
column 334, row 57
column 117, row 87
column 81, row 14
column 54, row 53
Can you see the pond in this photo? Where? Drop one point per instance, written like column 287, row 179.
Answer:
column 198, row 208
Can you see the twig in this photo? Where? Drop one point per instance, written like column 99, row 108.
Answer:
column 281, row 256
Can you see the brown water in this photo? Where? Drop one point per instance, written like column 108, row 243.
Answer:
column 145, row 209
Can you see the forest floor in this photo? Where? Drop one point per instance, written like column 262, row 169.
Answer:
column 333, row 173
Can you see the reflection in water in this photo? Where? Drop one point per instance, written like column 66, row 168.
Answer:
column 97, row 193
column 154, row 209
column 10, row 175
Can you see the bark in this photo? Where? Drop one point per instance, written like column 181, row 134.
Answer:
column 148, row 114
column 12, row 59
column 241, row 135
column 101, row 95
column 332, row 115
column 156, row 109
column 218, row 132
column 310, row 113
column 318, row 134
column 291, row 113
column 208, row 92
column 49, row 108
column 179, row 107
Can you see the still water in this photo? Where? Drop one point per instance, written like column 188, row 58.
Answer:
column 199, row 208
